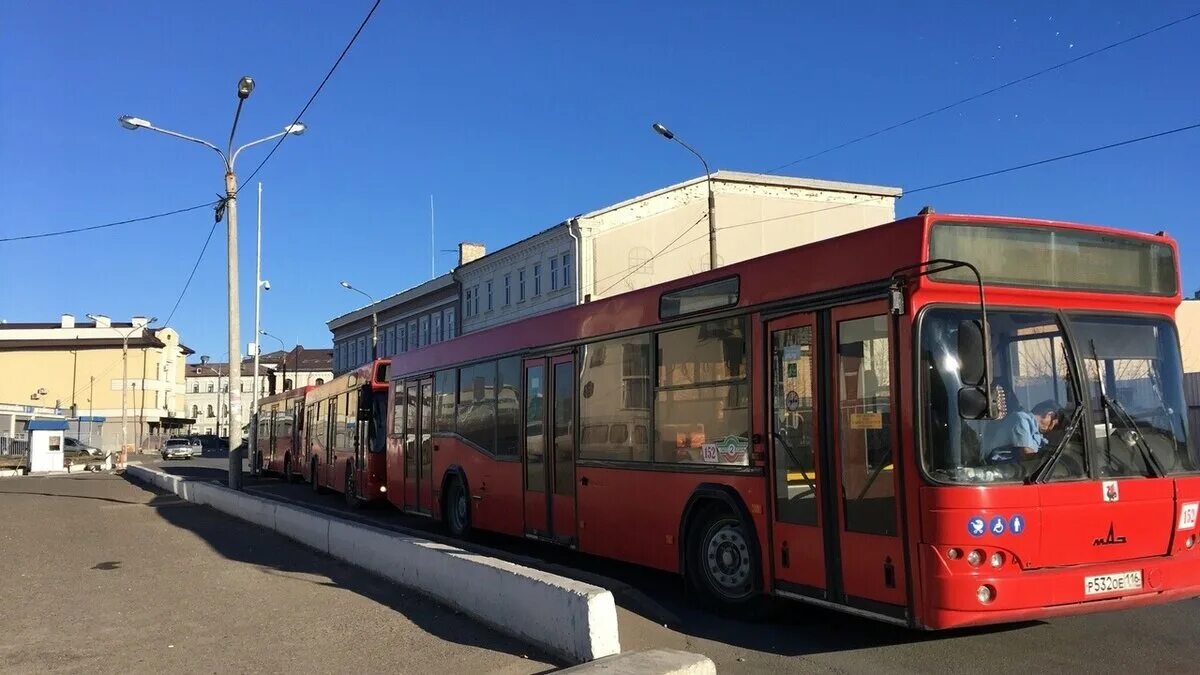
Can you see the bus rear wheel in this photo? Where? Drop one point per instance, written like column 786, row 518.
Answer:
column 458, row 509
column 317, row 488
column 351, row 492
column 722, row 563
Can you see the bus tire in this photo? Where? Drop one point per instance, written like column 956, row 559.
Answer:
column 317, row 488
column 351, row 488
column 457, row 508
column 722, row 565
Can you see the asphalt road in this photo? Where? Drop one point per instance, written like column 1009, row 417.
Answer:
column 102, row 575
column 654, row 611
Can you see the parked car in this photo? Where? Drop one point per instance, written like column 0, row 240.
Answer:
column 180, row 448
column 78, row 447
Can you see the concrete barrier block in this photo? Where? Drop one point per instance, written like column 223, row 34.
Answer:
column 257, row 510
column 307, row 527
column 656, row 661
column 571, row 619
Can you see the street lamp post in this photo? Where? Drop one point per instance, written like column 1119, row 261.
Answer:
column 712, row 202
column 374, row 319
column 125, row 382
column 284, row 349
column 260, row 285
column 229, row 203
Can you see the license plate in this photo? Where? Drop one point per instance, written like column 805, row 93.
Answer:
column 1112, row 583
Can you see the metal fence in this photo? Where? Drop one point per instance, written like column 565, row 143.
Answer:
column 13, row 447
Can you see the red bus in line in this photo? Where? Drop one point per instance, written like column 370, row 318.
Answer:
column 943, row 421
column 343, row 434
column 280, row 432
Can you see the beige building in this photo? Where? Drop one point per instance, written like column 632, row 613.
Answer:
column 660, row 236
column 76, row 368
column 1187, row 319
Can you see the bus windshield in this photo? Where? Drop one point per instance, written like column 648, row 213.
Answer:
column 1132, row 377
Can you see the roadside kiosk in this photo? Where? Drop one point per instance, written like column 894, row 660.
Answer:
column 46, row 445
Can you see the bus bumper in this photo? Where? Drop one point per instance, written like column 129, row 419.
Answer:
column 953, row 596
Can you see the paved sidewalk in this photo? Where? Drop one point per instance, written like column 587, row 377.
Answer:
column 101, row 575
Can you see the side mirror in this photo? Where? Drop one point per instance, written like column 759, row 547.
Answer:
column 971, row 353
column 972, row 403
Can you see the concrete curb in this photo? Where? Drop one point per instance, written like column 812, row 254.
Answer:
column 570, row 619
column 658, row 661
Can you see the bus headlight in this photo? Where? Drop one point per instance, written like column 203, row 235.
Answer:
column 975, row 558
column 985, row 593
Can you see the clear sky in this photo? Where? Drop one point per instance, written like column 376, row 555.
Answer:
column 519, row 115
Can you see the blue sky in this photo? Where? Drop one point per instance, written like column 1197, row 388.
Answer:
column 518, row 115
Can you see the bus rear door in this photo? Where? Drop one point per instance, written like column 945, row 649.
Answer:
column 549, row 463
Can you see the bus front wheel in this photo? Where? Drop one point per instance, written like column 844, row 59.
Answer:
column 722, row 561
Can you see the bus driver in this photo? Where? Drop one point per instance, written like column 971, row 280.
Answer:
column 1024, row 436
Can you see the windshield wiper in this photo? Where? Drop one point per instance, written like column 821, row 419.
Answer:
column 1043, row 470
column 1138, row 441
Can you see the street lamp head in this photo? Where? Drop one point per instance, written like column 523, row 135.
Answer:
column 130, row 122
column 245, row 86
column 346, row 284
column 662, row 131
column 266, row 285
column 296, row 129
column 204, row 359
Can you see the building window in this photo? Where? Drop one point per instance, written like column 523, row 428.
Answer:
column 475, row 306
column 412, row 335
column 467, row 304
column 566, row 270
column 554, row 274
column 287, row 384
column 521, row 285
column 195, row 411
column 320, row 380
column 210, row 411
column 424, row 339
column 401, row 345
column 507, row 290
column 451, row 326
column 489, row 296
column 436, row 328
column 537, row 278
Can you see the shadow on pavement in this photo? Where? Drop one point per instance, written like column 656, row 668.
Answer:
column 275, row 554
column 782, row 627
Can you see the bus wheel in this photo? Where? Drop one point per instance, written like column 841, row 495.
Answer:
column 351, row 492
column 722, row 563
column 317, row 488
column 458, row 509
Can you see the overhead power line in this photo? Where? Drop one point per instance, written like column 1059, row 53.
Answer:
column 973, row 97
column 192, row 275
column 321, row 86
column 671, row 247
column 75, row 230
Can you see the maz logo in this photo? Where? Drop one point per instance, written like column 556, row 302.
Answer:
column 1110, row 540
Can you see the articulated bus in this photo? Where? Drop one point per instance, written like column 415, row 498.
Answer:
column 280, row 431
column 344, row 434
column 943, row 421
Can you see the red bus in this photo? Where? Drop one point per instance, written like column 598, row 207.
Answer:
column 860, row 423
column 344, row 434
column 280, row 431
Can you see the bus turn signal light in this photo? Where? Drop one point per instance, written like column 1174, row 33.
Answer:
column 975, row 558
column 954, row 554
column 997, row 559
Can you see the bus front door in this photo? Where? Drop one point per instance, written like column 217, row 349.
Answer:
column 418, row 446
column 549, row 459
column 837, row 519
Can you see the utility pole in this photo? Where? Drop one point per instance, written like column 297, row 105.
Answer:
column 712, row 202
column 258, row 288
column 228, row 205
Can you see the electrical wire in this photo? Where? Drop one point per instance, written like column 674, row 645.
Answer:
column 193, row 273
column 75, row 230
column 321, row 86
column 648, row 260
column 987, row 92
column 923, row 188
